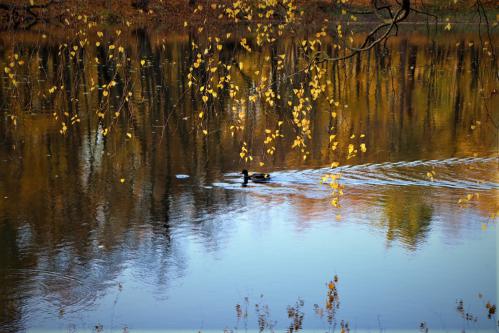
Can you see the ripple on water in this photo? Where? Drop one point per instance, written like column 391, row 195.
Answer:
column 42, row 290
column 470, row 173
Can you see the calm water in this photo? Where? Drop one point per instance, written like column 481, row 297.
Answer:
column 155, row 231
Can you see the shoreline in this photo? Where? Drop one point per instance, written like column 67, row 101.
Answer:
column 174, row 14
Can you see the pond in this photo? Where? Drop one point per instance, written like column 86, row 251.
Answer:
column 148, row 227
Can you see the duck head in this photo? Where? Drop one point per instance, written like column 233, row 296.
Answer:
column 245, row 173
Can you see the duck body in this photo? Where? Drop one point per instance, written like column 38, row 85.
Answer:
column 255, row 177
column 260, row 177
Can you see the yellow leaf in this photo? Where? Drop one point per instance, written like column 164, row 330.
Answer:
column 142, row 62
column 129, row 135
column 122, row 180
column 205, row 98
column 205, row 132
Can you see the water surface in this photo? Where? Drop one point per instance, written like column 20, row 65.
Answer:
column 156, row 231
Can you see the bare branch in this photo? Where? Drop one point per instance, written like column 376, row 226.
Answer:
column 401, row 14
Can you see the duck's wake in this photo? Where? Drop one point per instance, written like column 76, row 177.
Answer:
column 472, row 173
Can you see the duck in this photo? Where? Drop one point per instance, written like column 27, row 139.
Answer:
column 255, row 177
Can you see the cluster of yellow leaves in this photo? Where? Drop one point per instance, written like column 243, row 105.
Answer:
column 352, row 150
column 265, row 33
column 280, row 62
column 431, row 175
column 300, row 113
column 72, row 120
column 244, row 154
column 85, row 31
column 239, row 109
column 68, row 119
column 209, row 70
column 270, row 138
column 14, row 63
column 206, row 64
column 264, row 89
column 244, row 44
column 63, row 129
column 336, row 187
column 475, row 125
column 106, row 88
column 249, row 10
column 309, row 45
column 448, row 25
column 316, row 87
column 468, row 198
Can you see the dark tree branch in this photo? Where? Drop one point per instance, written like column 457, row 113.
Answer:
column 481, row 11
column 370, row 41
